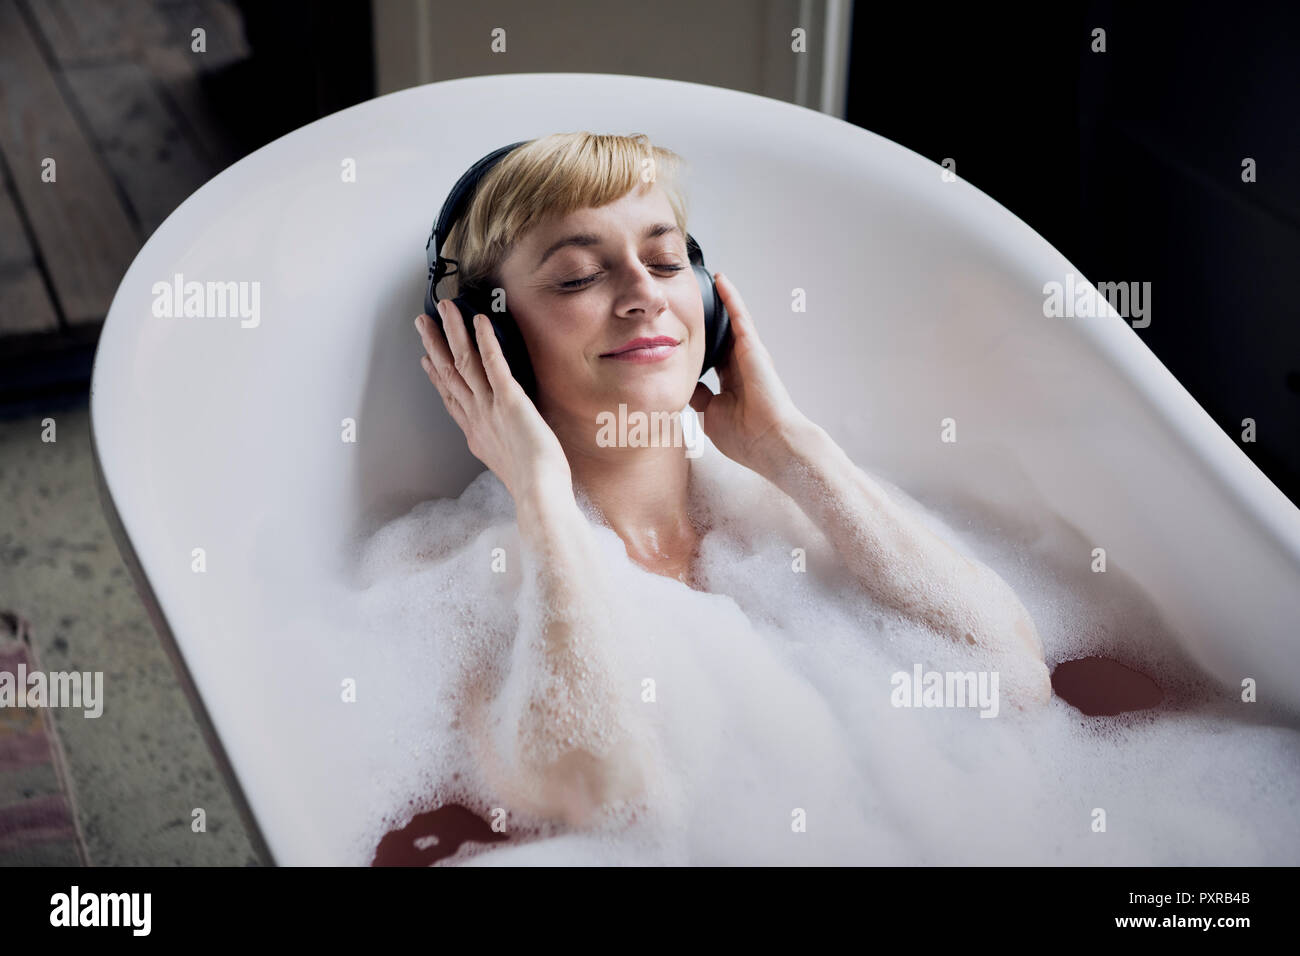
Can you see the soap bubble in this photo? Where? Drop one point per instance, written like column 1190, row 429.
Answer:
column 772, row 694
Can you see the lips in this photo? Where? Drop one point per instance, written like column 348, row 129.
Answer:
column 643, row 343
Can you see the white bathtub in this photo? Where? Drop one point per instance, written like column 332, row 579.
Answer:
column 924, row 301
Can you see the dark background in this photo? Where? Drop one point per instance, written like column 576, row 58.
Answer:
column 1129, row 163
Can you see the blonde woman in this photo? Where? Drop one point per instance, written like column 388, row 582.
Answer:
column 593, row 263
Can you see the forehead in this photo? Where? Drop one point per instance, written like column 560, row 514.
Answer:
column 629, row 213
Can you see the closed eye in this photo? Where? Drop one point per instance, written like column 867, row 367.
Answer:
column 576, row 284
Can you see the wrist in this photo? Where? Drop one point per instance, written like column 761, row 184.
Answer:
column 794, row 444
column 544, row 494
column 542, row 481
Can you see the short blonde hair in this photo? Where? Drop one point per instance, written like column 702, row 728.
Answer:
column 552, row 176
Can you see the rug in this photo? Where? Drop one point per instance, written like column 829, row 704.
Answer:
column 38, row 821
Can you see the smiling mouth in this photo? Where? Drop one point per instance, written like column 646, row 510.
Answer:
column 641, row 352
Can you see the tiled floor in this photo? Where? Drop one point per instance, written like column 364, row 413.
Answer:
column 139, row 770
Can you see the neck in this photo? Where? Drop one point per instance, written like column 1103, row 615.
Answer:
column 643, row 494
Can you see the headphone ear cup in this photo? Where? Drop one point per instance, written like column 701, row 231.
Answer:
column 508, row 336
column 717, row 323
column 430, row 306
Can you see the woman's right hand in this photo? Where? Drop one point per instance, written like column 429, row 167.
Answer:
column 504, row 429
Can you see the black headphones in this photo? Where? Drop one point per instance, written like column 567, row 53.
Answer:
column 717, row 324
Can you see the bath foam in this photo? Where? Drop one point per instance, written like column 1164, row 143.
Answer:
column 773, row 699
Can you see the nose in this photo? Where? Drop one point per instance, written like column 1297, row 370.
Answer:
column 643, row 296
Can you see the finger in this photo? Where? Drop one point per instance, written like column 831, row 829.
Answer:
column 454, row 407
column 435, row 346
column 465, row 359
column 701, row 398
column 494, row 361
column 439, row 383
column 726, row 370
column 742, row 325
column 734, row 370
column 442, row 372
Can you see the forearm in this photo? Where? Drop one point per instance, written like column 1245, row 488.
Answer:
column 564, row 572
column 559, row 728
column 897, row 559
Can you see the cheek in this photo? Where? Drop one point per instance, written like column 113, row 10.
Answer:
column 691, row 310
column 558, row 334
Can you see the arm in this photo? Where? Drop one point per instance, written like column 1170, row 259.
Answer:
column 898, row 560
column 558, row 743
column 554, row 741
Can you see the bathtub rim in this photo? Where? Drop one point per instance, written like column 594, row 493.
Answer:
column 171, row 647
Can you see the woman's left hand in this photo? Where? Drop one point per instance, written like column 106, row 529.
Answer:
column 752, row 417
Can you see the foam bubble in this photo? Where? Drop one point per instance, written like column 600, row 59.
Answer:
column 773, row 701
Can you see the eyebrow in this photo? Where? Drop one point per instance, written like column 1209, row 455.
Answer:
column 654, row 230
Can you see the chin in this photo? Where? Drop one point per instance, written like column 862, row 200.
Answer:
column 661, row 396
column 664, row 390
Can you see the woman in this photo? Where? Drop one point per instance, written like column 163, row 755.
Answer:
column 591, row 255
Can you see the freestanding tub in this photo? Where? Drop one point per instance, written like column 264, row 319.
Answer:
column 925, row 301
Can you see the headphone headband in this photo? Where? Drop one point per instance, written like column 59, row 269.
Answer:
column 457, row 202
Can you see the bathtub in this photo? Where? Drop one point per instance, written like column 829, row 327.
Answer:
column 220, row 440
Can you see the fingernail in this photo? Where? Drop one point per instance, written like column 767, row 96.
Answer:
column 417, row 320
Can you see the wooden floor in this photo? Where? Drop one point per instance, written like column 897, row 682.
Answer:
column 104, row 130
